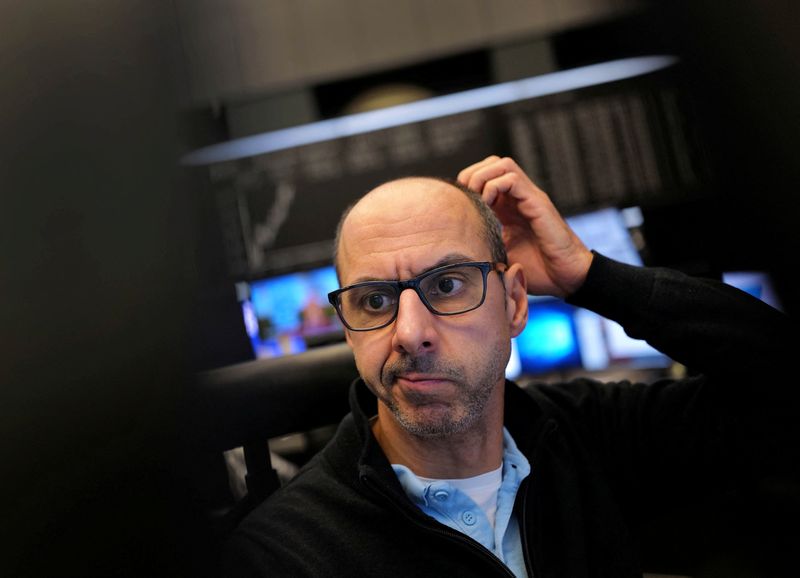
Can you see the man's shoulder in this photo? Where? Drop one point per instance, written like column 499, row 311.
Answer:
column 323, row 489
column 314, row 519
column 554, row 398
column 296, row 498
column 565, row 391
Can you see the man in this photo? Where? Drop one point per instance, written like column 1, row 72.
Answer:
column 444, row 468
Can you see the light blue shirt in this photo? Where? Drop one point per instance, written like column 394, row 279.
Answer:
column 453, row 508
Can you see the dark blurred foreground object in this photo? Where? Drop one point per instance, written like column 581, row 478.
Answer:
column 742, row 59
column 94, row 282
column 248, row 404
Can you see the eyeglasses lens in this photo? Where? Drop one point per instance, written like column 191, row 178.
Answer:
column 446, row 291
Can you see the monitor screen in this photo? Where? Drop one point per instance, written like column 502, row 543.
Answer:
column 606, row 231
column 562, row 337
column 550, row 339
column 290, row 313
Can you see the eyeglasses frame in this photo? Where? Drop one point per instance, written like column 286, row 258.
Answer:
column 485, row 266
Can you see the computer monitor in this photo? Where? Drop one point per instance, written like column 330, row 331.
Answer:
column 560, row 337
column 290, row 313
column 549, row 340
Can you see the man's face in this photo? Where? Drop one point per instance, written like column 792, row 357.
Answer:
column 434, row 375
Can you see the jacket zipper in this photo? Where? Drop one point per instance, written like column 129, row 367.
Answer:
column 443, row 531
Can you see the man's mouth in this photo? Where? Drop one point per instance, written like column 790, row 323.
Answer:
column 421, row 388
column 421, row 377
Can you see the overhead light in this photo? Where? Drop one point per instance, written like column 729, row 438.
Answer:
column 429, row 108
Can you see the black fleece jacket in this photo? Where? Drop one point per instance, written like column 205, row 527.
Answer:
column 604, row 457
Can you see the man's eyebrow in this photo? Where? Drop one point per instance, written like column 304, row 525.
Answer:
column 449, row 259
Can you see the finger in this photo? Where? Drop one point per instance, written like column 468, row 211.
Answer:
column 530, row 201
column 465, row 174
column 497, row 183
column 490, row 170
column 494, row 170
column 480, row 177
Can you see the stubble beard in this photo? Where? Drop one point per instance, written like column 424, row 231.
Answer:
column 461, row 412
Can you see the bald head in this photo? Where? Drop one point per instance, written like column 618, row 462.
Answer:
column 397, row 207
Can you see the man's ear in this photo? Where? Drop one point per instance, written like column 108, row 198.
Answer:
column 516, row 298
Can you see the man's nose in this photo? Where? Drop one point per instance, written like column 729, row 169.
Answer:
column 414, row 327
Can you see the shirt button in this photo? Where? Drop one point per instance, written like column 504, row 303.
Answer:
column 469, row 518
column 441, row 495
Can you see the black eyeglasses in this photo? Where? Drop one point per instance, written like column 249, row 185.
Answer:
column 447, row 290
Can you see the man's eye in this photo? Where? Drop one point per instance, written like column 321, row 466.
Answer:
column 447, row 285
column 376, row 302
